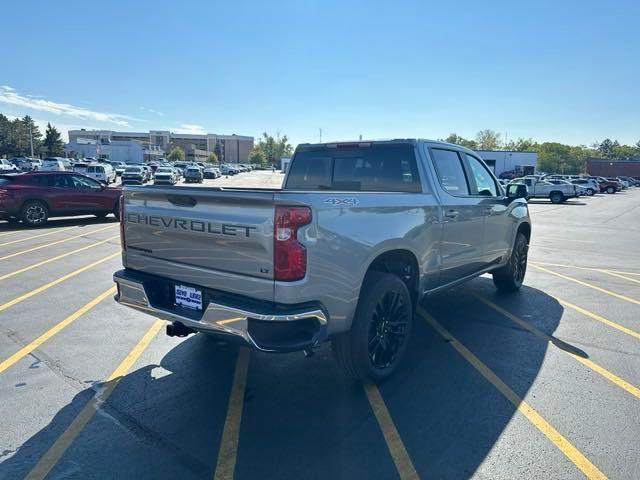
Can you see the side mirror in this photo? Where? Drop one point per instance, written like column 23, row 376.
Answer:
column 517, row 190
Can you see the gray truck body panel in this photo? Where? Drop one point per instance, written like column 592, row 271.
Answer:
column 222, row 239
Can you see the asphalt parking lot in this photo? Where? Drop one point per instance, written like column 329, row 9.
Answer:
column 540, row 384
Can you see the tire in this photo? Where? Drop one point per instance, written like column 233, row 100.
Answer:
column 610, row 190
column 35, row 213
column 591, row 192
column 101, row 214
column 508, row 279
column 556, row 197
column 383, row 297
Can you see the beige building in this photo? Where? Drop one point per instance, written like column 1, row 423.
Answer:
column 230, row 148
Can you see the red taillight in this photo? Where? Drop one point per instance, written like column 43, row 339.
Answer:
column 289, row 255
column 121, row 209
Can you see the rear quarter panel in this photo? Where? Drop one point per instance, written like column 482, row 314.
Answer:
column 348, row 231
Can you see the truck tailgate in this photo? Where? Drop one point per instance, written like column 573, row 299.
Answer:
column 211, row 231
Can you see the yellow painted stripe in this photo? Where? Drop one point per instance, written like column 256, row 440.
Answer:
column 57, row 230
column 616, row 274
column 44, row 287
column 626, row 386
column 566, row 447
column 10, row 233
column 597, row 317
column 27, row 349
column 55, row 452
column 47, row 245
column 228, row 452
column 57, row 257
column 394, row 442
column 585, row 284
column 563, row 265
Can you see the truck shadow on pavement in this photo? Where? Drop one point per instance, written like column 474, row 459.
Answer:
column 304, row 418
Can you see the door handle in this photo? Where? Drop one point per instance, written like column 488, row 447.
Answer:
column 488, row 210
column 451, row 213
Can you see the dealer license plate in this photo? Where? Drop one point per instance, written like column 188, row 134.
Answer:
column 189, row 297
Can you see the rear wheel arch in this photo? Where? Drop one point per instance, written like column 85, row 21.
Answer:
column 400, row 262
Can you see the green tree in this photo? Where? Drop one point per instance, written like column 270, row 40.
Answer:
column 488, row 140
column 257, row 157
column 176, row 154
column 520, row 145
column 274, row 147
column 458, row 140
column 212, row 157
column 52, row 144
column 30, row 128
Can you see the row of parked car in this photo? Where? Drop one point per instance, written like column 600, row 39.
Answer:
column 559, row 188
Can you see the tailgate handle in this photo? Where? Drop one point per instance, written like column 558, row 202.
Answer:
column 182, row 200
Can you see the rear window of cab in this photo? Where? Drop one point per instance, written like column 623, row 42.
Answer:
column 362, row 167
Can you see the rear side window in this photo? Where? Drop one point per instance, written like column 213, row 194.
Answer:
column 373, row 168
column 450, row 171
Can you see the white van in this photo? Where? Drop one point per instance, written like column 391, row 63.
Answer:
column 102, row 173
column 55, row 164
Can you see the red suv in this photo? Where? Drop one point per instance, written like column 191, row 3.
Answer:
column 36, row 196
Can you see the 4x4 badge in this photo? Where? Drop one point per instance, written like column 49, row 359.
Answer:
column 349, row 201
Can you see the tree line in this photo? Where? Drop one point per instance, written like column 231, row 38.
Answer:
column 16, row 137
column 553, row 157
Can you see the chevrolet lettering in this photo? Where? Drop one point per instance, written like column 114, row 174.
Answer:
column 191, row 225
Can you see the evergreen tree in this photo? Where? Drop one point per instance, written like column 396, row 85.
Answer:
column 52, row 144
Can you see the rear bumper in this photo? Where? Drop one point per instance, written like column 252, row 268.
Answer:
column 262, row 325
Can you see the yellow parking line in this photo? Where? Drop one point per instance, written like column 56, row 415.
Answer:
column 616, row 274
column 10, row 233
column 571, row 452
column 229, row 320
column 228, row 451
column 36, row 236
column 585, row 284
column 55, row 452
column 57, row 257
column 27, row 349
column 394, row 442
column 626, row 386
column 42, row 288
column 548, row 264
column 46, row 245
column 597, row 317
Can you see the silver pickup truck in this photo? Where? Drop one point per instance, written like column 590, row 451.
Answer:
column 359, row 233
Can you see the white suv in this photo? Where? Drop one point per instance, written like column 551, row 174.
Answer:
column 56, row 164
column 101, row 172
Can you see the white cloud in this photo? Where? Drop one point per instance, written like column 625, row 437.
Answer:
column 9, row 96
column 151, row 110
column 190, row 128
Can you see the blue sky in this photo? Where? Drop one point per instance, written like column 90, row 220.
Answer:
column 554, row 70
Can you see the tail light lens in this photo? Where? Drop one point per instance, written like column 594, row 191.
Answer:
column 289, row 255
column 121, row 209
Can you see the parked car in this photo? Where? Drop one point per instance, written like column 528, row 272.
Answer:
column 311, row 277
column 56, row 164
column 544, row 189
column 36, row 196
column 590, row 186
column 229, row 170
column 118, row 167
column 607, row 186
column 580, row 190
column 165, row 176
column 134, row 174
column 623, row 183
column 6, row 166
column 633, row 182
column 102, row 172
column 193, row 174
column 212, row 172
